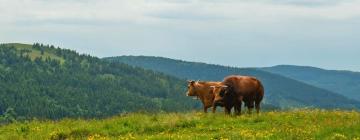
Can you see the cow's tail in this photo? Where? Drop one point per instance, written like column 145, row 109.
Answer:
column 258, row 97
column 260, row 94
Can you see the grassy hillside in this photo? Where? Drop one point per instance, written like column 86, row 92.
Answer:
column 279, row 90
column 300, row 124
column 41, row 81
column 34, row 53
column 346, row 83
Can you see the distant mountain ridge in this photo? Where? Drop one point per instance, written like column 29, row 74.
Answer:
column 346, row 83
column 280, row 91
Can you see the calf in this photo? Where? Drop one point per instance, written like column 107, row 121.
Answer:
column 204, row 92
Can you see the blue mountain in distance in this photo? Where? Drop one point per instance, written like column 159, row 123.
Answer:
column 280, row 90
column 346, row 83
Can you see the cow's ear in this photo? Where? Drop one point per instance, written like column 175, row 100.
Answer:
column 226, row 90
column 191, row 82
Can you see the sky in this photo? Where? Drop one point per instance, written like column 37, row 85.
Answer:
column 241, row 33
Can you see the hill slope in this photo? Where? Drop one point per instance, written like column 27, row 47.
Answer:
column 301, row 124
column 47, row 82
column 279, row 90
column 346, row 83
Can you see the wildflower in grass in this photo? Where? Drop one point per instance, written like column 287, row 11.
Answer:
column 129, row 136
column 222, row 138
column 91, row 137
column 246, row 133
column 36, row 128
column 53, row 134
column 96, row 137
column 338, row 136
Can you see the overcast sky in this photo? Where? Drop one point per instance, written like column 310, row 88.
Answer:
column 242, row 33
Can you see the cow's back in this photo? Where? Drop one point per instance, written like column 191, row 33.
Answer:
column 243, row 85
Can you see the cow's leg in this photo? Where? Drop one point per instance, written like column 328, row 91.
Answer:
column 213, row 109
column 250, row 106
column 238, row 105
column 205, row 109
column 227, row 110
column 238, row 108
column 257, row 106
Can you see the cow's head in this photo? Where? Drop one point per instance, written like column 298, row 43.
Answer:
column 191, row 91
column 219, row 92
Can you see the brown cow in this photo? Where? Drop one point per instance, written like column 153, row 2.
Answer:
column 236, row 89
column 203, row 91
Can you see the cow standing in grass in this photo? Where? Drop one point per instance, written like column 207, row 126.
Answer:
column 204, row 92
column 237, row 89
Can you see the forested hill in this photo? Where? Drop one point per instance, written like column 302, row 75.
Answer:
column 47, row 82
column 346, row 83
column 279, row 90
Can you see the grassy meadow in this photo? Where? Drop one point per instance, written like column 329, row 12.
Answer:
column 296, row 124
column 33, row 54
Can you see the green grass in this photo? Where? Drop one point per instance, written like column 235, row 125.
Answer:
column 35, row 53
column 297, row 124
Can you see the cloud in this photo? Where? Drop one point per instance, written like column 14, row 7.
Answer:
column 277, row 31
column 310, row 3
column 160, row 11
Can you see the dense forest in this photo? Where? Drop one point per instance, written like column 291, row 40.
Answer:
column 280, row 91
column 42, row 81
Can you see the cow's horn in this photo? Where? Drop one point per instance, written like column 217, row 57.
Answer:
column 212, row 86
column 224, row 86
